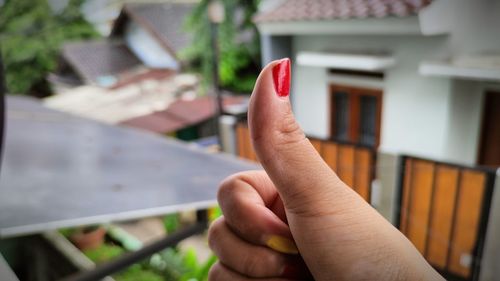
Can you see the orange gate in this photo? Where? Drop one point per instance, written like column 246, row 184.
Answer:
column 354, row 164
column 443, row 210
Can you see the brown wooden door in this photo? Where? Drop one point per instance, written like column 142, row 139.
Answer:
column 489, row 151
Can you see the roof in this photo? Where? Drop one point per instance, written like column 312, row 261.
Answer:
column 114, row 105
column 312, row 10
column 181, row 114
column 164, row 20
column 93, row 60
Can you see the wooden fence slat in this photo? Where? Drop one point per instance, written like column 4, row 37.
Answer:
column 330, row 154
column 346, row 165
column 403, row 224
column 241, row 140
column 419, row 203
column 464, row 235
column 317, row 144
column 250, row 152
column 442, row 215
column 363, row 168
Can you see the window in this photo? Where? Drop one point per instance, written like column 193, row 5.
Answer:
column 355, row 115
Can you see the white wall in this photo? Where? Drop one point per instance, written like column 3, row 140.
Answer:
column 417, row 111
column 473, row 26
column 465, row 119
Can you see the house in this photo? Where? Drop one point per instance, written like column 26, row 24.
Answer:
column 402, row 98
column 146, row 38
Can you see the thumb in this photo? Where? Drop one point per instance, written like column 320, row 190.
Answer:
column 301, row 176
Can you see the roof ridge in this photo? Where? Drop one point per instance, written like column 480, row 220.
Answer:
column 311, row 10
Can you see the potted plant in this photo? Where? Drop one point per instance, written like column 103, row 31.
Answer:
column 89, row 237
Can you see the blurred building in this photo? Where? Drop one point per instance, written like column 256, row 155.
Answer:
column 144, row 42
column 401, row 98
column 134, row 77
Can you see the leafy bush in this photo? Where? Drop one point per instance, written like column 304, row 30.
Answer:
column 239, row 45
column 137, row 272
column 171, row 223
column 31, row 34
column 177, row 266
column 104, row 253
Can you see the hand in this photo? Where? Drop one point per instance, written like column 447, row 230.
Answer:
column 297, row 216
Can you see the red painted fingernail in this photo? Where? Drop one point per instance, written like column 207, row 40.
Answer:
column 281, row 77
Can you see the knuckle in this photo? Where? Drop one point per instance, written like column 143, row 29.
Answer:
column 260, row 265
column 288, row 131
column 226, row 187
column 215, row 233
column 251, row 265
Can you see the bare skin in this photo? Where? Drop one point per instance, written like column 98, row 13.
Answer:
column 298, row 201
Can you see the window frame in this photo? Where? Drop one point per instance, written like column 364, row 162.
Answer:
column 354, row 97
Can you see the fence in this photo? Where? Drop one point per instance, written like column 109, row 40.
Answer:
column 443, row 210
column 354, row 164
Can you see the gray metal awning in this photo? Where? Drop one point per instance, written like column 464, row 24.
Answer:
column 60, row 171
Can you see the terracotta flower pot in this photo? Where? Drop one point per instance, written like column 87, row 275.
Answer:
column 85, row 240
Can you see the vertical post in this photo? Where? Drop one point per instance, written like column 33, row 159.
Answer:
column 3, row 117
column 215, row 75
column 216, row 16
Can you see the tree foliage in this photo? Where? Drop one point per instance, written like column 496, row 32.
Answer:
column 31, row 34
column 239, row 46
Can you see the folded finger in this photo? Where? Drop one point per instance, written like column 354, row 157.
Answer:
column 253, row 210
column 219, row 272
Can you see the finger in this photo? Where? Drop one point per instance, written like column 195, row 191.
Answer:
column 292, row 163
column 252, row 209
column 240, row 256
column 218, row 272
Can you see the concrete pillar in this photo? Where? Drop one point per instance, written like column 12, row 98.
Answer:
column 275, row 47
column 384, row 188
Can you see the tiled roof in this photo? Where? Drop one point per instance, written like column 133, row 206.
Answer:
column 309, row 10
column 165, row 20
column 156, row 123
column 94, row 59
column 181, row 114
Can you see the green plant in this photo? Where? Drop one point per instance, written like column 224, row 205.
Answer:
column 238, row 41
column 31, row 34
column 214, row 213
column 67, row 232
column 171, row 222
column 175, row 265
column 104, row 253
column 137, row 272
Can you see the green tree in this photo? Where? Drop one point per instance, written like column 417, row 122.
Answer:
column 239, row 59
column 31, row 34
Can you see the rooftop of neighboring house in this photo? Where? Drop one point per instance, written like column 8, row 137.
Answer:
column 114, row 105
column 163, row 20
column 184, row 113
column 95, row 61
column 109, row 62
column 322, row 10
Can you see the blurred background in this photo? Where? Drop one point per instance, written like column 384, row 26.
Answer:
column 129, row 101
